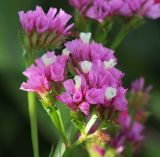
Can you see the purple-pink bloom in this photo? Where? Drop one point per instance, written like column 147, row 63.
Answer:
column 132, row 130
column 120, row 101
column 74, row 96
column 41, row 22
column 99, row 10
column 137, row 85
column 81, row 5
column 46, row 70
column 93, row 51
column 98, row 82
column 151, row 9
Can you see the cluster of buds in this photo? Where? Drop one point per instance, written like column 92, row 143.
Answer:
column 41, row 30
column 101, row 9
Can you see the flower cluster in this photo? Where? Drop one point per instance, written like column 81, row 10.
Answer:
column 46, row 70
column 97, row 82
column 83, row 76
column 47, row 29
column 131, row 132
column 100, row 9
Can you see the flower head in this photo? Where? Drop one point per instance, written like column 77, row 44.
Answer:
column 98, row 82
column 45, row 29
column 46, row 70
column 99, row 10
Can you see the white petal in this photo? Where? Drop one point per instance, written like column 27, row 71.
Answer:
column 86, row 66
column 110, row 93
column 85, row 37
column 109, row 64
column 48, row 60
column 66, row 52
column 77, row 80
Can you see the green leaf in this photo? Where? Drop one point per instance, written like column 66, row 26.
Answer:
column 78, row 120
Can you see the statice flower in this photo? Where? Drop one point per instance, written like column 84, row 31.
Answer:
column 99, row 10
column 45, row 29
column 81, row 5
column 145, row 8
column 47, row 70
column 97, row 83
column 130, row 132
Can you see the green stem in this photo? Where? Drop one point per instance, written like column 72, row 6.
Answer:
column 119, row 38
column 127, row 27
column 60, row 148
column 55, row 116
column 33, row 122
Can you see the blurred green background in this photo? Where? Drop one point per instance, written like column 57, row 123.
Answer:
column 139, row 55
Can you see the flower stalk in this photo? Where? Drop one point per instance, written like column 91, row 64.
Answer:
column 33, row 122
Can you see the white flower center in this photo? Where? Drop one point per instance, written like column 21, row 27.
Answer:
column 48, row 60
column 78, row 81
column 66, row 52
column 109, row 64
column 86, row 66
column 85, row 37
column 110, row 93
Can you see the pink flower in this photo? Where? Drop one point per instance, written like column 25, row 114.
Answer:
column 99, row 10
column 120, row 101
column 93, row 51
column 45, row 71
column 139, row 86
column 134, row 132
column 81, row 5
column 74, row 96
column 99, row 82
column 37, row 80
column 41, row 22
column 151, row 9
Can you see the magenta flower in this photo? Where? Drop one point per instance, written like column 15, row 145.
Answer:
column 82, row 51
column 139, row 86
column 75, row 94
column 44, row 30
column 46, row 70
column 98, row 82
column 151, row 9
column 38, row 21
column 81, row 5
column 99, row 10
column 133, row 132
column 37, row 80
